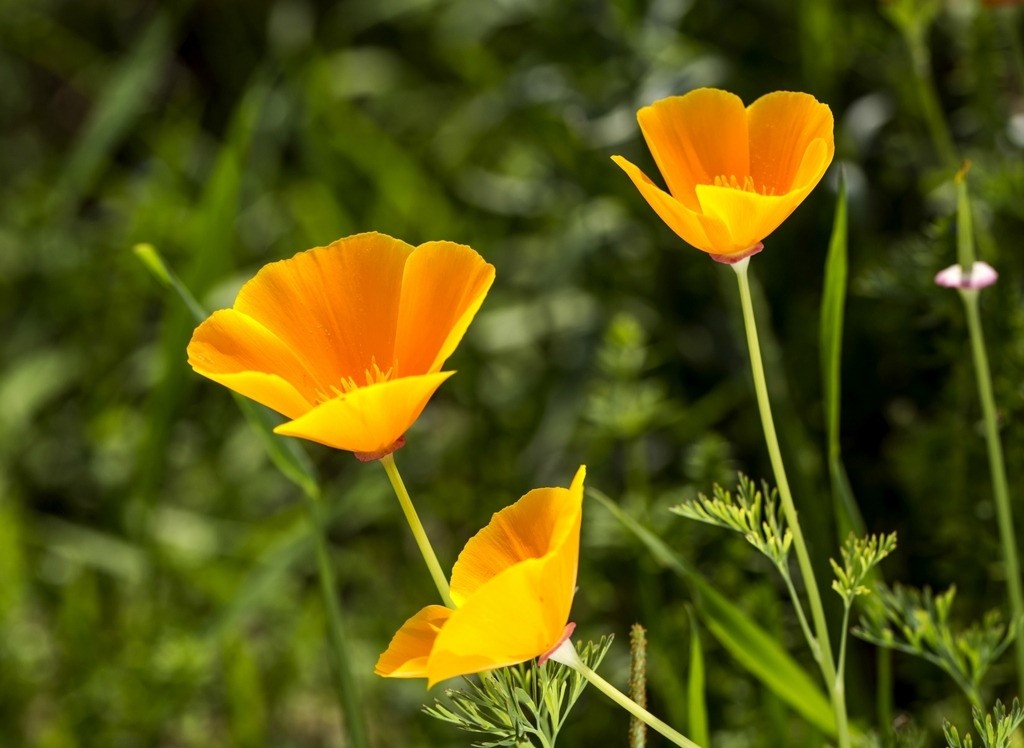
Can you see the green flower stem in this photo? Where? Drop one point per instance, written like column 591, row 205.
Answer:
column 344, row 683
column 836, row 688
column 998, row 470
column 566, row 654
column 427, row 550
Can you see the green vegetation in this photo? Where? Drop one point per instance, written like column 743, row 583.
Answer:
column 159, row 582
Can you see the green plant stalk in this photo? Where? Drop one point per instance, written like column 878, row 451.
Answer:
column 418, row 533
column 823, row 654
column 799, row 608
column 997, row 467
column 344, row 683
column 843, row 638
column 638, row 683
column 924, row 84
column 566, row 654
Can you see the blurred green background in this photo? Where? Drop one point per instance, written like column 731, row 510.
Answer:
column 157, row 580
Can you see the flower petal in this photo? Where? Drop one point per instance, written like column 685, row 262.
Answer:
column 543, row 521
column 707, row 234
column 368, row 419
column 407, row 655
column 511, row 609
column 507, row 621
column 750, row 216
column 695, row 138
column 336, row 306
column 982, row 275
column 783, row 125
column 237, row 351
column 443, row 286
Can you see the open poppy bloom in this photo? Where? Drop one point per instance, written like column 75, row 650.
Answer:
column 733, row 173
column 347, row 340
column 512, row 586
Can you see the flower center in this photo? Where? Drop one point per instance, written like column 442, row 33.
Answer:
column 747, row 185
column 372, row 375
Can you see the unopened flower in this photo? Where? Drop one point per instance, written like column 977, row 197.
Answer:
column 982, row 275
column 733, row 173
column 348, row 340
column 512, row 586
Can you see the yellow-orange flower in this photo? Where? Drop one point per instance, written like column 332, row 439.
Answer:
column 347, row 340
column 512, row 585
column 733, row 174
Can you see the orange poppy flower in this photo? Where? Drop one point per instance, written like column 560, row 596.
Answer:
column 347, row 340
column 512, row 586
column 733, row 174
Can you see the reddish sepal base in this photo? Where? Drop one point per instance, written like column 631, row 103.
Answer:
column 733, row 259
column 371, row 456
column 569, row 628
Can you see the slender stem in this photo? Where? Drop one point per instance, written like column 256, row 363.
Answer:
column 924, row 82
column 812, row 642
column 836, row 688
column 843, row 636
column 344, row 683
column 998, row 469
column 427, row 550
column 566, row 654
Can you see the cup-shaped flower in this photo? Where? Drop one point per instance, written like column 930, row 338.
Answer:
column 512, row 586
column 734, row 174
column 347, row 340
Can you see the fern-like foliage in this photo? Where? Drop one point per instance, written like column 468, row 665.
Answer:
column 860, row 556
column 995, row 728
column 752, row 512
column 522, row 705
column 918, row 622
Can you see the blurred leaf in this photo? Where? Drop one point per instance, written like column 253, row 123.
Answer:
column 12, row 559
column 286, row 454
column 123, row 99
column 244, row 689
column 833, row 301
column 93, row 548
column 757, row 651
column 695, row 697
column 31, row 382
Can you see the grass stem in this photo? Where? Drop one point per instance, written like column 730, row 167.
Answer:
column 344, row 682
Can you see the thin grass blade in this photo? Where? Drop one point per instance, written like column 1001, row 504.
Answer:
column 833, row 302
column 696, row 700
column 122, row 102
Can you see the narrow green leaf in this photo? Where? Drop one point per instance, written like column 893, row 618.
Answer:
column 286, row 455
column 747, row 642
column 697, row 707
column 833, row 302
